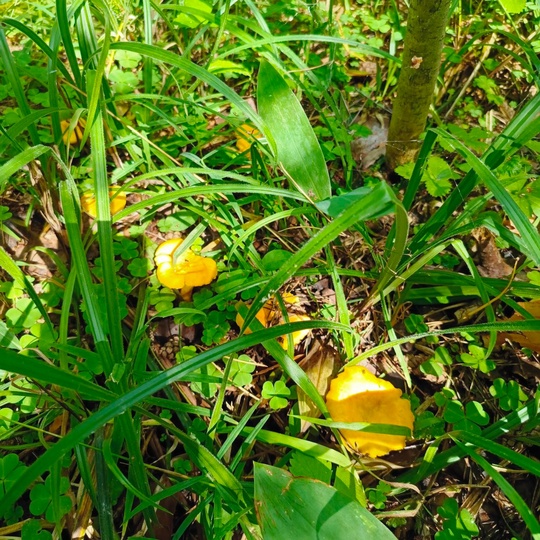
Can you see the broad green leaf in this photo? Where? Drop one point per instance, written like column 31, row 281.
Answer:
column 310, row 508
column 338, row 204
column 297, row 147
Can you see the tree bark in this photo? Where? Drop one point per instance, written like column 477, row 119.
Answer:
column 426, row 28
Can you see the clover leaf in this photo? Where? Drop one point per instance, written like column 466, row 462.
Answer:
column 11, row 289
column 127, row 59
column 32, row 531
column 241, row 370
column 457, row 523
column 138, row 267
column 277, row 393
column 216, row 327
column 162, row 299
column 435, row 365
column 126, row 248
column 24, row 314
column 476, row 359
column 378, row 496
column 124, row 82
column 11, row 469
column 98, row 268
column 41, row 499
column 468, row 419
column 509, row 394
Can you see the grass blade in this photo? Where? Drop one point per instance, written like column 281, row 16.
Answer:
column 377, row 201
column 99, row 164
column 531, row 239
column 119, row 406
column 509, row 490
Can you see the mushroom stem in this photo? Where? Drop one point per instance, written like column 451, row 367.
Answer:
column 185, row 293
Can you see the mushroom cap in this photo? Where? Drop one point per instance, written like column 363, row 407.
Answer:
column 356, row 395
column 190, row 270
column 244, row 132
column 269, row 313
column 89, row 203
column 297, row 336
column 264, row 316
column 75, row 135
column 165, row 251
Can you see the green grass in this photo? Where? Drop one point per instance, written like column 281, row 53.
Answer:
column 124, row 405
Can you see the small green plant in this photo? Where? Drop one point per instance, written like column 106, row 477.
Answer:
column 46, row 501
column 378, row 496
column 509, row 394
column 242, row 369
column 436, row 365
column 457, row 523
column 476, row 359
column 278, row 393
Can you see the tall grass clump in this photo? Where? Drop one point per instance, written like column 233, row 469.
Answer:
column 179, row 392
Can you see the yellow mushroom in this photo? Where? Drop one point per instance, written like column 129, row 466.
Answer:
column 74, row 136
column 188, row 271
column 264, row 315
column 356, row 395
column 297, row 336
column 89, row 203
column 244, row 133
column 270, row 314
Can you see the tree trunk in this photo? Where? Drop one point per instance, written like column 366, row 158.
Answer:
column 426, row 27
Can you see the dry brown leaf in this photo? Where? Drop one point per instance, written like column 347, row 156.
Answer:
column 367, row 150
column 321, row 367
column 530, row 340
column 493, row 264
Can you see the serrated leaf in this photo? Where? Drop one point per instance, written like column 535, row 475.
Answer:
column 406, row 170
column 297, row 147
column 437, row 177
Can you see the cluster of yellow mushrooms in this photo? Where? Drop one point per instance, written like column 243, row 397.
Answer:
column 355, row 396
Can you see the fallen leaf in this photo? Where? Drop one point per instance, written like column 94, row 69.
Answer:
column 321, row 367
column 530, row 340
column 367, row 150
column 493, row 264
